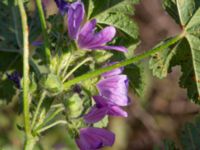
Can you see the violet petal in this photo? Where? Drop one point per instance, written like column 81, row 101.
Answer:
column 117, row 111
column 75, row 17
column 86, row 33
column 115, row 89
column 95, row 114
column 62, row 6
column 94, row 138
column 117, row 48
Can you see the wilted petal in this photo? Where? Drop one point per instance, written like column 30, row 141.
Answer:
column 62, row 6
column 94, row 138
column 75, row 17
column 15, row 78
column 117, row 48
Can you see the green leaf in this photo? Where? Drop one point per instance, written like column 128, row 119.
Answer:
column 117, row 13
column 136, row 78
column 181, row 10
column 114, row 12
column 167, row 144
column 10, row 27
column 186, row 52
column 9, row 62
column 190, row 135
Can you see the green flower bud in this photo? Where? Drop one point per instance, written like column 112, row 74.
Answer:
column 52, row 84
column 74, row 106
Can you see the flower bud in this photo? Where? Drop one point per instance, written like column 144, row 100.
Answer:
column 52, row 84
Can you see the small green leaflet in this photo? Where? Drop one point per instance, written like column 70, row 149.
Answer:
column 186, row 52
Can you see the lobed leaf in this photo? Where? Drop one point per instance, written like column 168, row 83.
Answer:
column 186, row 52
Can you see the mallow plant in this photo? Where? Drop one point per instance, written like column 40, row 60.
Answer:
column 76, row 67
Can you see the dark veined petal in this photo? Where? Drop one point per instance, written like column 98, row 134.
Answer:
column 88, row 39
column 95, row 114
column 117, row 111
column 62, row 6
column 86, row 33
column 94, row 138
column 75, row 17
column 117, row 48
column 115, row 89
column 104, row 36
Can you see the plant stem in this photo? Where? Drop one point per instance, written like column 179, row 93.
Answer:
column 52, row 125
column 122, row 63
column 75, row 68
column 37, row 109
column 47, row 120
column 44, row 30
column 29, row 139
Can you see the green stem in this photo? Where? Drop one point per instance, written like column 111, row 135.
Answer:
column 75, row 68
column 44, row 29
column 37, row 109
column 29, row 144
column 66, row 65
column 123, row 63
column 52, row 125
column 26, row 112
column 50, row 118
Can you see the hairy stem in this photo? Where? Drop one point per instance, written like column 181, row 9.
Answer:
column 122, row 63
column 75, row 68
column 44, row 29
column 38, row 109
column 52, row 125
column 47, row 120
column 28, row 139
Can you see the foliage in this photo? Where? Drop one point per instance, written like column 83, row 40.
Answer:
column 184, row 53
column 60, row 90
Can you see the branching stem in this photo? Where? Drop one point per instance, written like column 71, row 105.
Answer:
column 137, row 58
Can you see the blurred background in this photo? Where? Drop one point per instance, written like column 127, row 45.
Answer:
column 158, row 115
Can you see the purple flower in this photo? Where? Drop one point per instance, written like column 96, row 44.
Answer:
column 102, row 108
column 15, row 78
column 75, row 17
column 114, row 86
column 94, row 138
column 86, row 36
column 62, row 6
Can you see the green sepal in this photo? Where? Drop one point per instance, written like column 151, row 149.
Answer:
column 51, row 83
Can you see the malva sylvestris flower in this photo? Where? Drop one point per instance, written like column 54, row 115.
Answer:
column 114, row 87
column 94, row 138
column 102, row 108
column 86, row 37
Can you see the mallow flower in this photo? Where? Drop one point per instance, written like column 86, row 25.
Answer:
column 94, row 138
column 114, row 87
column 86, row 37
column 102, row 108
column 62, row 6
